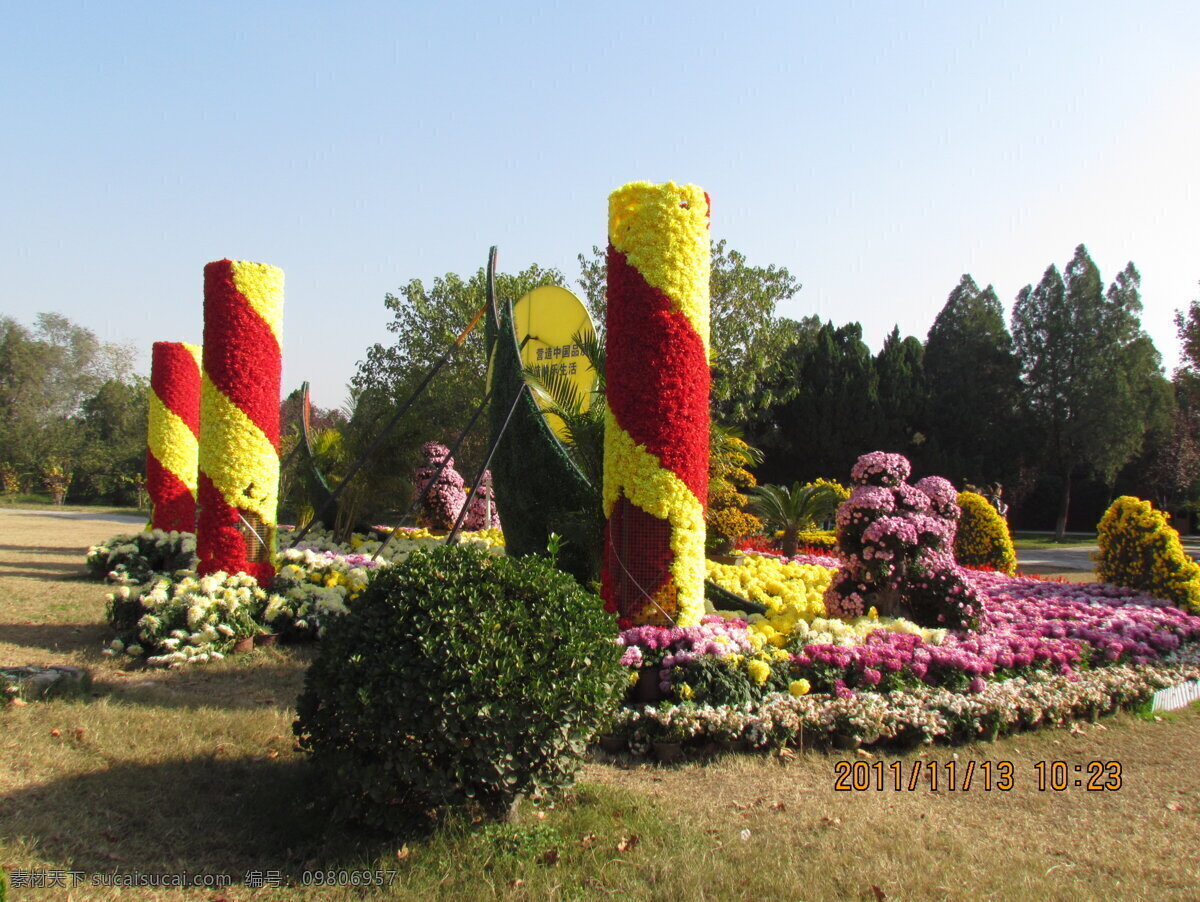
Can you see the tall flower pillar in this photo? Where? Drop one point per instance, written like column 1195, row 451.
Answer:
column 172, row 432
column 239, row 418
column 656, row 427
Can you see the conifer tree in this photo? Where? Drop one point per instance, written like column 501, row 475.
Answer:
column 974, row 389
column 1091, row 374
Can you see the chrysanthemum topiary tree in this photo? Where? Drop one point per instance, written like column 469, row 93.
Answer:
column 1139, row 549
column 897, row 543
column 983, row 539
column 446, row 497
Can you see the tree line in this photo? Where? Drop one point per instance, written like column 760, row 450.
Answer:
column 72, row 412
column 1065, row 408
column 1065, row 404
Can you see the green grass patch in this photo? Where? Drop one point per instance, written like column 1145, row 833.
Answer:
column 1046, row 540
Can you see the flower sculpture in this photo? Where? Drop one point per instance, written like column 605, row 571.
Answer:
column 173, row 428
column 239, row 418
column 446, row 497
column 656, row 424
column 898, row 544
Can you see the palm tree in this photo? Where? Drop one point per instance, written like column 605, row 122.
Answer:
column 793, row 510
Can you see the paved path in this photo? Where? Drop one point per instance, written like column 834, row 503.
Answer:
column 1079, row 557
column 1069, row 557
column 139, row 519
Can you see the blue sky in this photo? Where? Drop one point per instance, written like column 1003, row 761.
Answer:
column 876, row 150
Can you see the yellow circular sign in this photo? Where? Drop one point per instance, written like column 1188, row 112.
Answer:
column 548, row 321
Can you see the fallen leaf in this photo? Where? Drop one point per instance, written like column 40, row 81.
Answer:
column 778, row 806
column 550, row 857
column 835, row 821
column 79, row 734
column 18, row 702
column 402, row 852
column 272, row 753
column 627, row 843
column 56, row 733
column 1174, row 806
column 863, row 753
column 516, row 882
column 540, row 815
column 587, row 841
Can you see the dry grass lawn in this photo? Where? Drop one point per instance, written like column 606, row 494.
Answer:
column 166, row 773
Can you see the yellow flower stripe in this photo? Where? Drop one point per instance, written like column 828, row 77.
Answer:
column 262, row 286
column 663, row 232
column 172, row 443
column 237, row 456
column 632, row 471
column 196, row 351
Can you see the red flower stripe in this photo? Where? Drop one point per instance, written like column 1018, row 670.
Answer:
column 241, row 353
column 175, row 384
column 175, row 378
column 173, row 505
column 658, row 378
column 220, row 544
column 644, row 565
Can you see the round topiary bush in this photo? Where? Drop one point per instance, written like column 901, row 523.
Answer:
column 983, row 539
column 1139, row 549
column 457, row 680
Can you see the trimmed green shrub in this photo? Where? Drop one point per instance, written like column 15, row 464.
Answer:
column 1139, row 549
column 983, row 539
column 458, row 680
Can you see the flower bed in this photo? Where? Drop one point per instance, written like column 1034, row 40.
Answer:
column 790, row 668
column 163, row 612
column 910, row 716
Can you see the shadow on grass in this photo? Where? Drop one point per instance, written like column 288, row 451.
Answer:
column 55, row 572
column 60, row 637
column 273, row 680
column 45, row 549
column 201, row 815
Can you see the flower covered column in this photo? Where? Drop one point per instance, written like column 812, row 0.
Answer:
column 239, row 418
column 173, row 427
column 656, row 427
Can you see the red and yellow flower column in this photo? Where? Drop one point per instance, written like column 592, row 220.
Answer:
column 173, row 428
column 656, row 430
column 239, row 418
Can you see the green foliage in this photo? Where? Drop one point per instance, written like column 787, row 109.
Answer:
column 833, row 414
column 69, row 399
column 1091, row 374
column 139, row 557
column 457, row 679
column 1139, row 549
column 794, row 510
column 426, row 320
column 983, row 539
column 542, row 486
column 974, row 388
column 903, row 394
column 714, row 681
